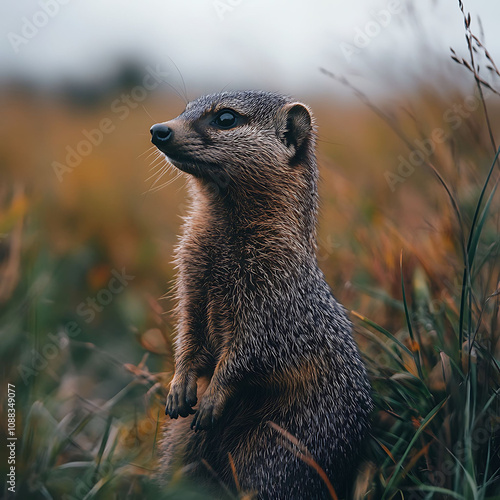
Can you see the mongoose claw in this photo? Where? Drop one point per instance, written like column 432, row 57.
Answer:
column 181, row 399
column 207, row 414
column 201, row 422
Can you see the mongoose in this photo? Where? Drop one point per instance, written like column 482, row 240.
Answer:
column 260, row 337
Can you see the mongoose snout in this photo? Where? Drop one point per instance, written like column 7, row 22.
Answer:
column 160, row 135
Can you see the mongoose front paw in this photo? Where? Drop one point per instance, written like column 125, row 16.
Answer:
column 208, row 413
column 182, row 397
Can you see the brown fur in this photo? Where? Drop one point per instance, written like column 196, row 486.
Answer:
column 255, row 317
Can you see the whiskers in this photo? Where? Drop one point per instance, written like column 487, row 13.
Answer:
column 159, row 167
column 150, row 150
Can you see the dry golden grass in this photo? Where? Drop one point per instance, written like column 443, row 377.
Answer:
column 90, row 416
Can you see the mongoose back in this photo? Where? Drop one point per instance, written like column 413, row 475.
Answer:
column 260, row 338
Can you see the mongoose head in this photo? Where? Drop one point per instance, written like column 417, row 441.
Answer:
column 251, row 141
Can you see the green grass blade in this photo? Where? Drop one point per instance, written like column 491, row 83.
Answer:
column 376, row 340
column 416, row 356
column 444, row 491
column 472, row 243
column 480, row 201
column 383, row 331
column 104, row 442
column 479, row 228
column 399, row 466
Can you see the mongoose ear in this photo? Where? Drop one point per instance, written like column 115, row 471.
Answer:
column 297, row 124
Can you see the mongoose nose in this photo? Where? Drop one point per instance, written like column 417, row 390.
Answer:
column 160, row 134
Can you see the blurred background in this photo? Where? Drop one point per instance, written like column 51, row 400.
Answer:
column 89, row 217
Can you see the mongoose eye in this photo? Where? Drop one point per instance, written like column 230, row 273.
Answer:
column 225, row 119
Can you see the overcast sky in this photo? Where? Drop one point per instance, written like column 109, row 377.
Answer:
column 240, row 43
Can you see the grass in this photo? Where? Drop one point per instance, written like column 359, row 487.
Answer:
column 421, row 264
column 437, row 390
